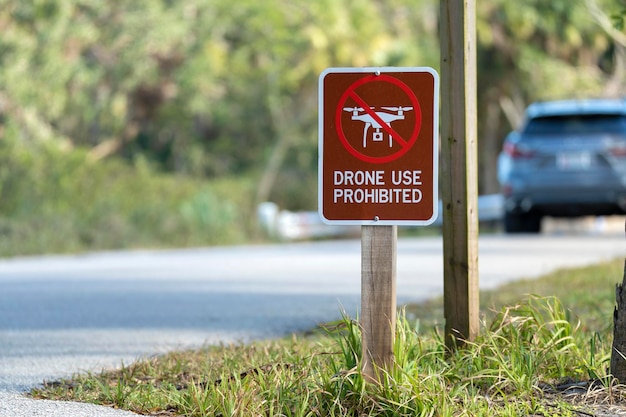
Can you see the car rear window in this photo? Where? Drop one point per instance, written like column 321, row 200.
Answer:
column 577, row 124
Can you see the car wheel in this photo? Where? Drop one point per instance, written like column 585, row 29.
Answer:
column 522, row 223
column 532, row 223
column 512, row 223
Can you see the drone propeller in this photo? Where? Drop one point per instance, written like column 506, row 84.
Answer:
column 355, row 109
column 397, row 108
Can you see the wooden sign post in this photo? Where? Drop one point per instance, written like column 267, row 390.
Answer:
column 378, row 297
column 459, row 162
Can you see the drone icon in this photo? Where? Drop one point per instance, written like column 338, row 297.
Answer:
column 385, row 116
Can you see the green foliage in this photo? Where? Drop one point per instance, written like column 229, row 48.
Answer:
column 53, row 200
column 618, row 16
column 216, row 88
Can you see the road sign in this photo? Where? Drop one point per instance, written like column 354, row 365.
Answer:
column 378, row 135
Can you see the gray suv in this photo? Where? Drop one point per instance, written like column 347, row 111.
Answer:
column 568, row 159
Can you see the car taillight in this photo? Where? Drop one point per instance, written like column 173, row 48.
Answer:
column 618, row 151
column 516, row 151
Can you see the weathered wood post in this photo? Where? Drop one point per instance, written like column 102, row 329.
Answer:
column 618, row 352
column 378, row 298
column 459, row 182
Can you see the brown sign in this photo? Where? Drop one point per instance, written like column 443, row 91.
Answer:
column 378, row 132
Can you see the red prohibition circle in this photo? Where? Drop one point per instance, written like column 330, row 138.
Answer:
column 405, row 144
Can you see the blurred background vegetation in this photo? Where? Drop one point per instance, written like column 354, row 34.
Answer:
column 152, row 123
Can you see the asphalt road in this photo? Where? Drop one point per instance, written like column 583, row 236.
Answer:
column 65, row 314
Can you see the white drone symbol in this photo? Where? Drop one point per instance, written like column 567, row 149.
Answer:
column 370, row 122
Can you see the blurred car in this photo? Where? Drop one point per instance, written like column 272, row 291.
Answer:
column 568, row 159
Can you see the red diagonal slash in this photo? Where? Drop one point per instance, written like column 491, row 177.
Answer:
column 386, row 127
column 405, row 144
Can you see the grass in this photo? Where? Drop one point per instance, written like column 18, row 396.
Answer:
column 537, row 355
column 588, row 294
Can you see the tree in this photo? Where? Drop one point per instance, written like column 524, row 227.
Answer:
column 214, row 87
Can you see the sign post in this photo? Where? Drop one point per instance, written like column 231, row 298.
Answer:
column 378, row 141
column 378, row 296
column 459, row 160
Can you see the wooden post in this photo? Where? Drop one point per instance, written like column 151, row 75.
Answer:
column 459, row 182
column 378, row 297
column 618, row 351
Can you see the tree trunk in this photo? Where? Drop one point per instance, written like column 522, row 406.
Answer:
column 618, row 353
column 613, row 87
column 490, row 147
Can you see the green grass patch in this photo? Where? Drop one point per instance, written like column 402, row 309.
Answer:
column 588, row 293
column 537, row 355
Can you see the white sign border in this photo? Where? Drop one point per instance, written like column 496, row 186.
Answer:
column 320, row 163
